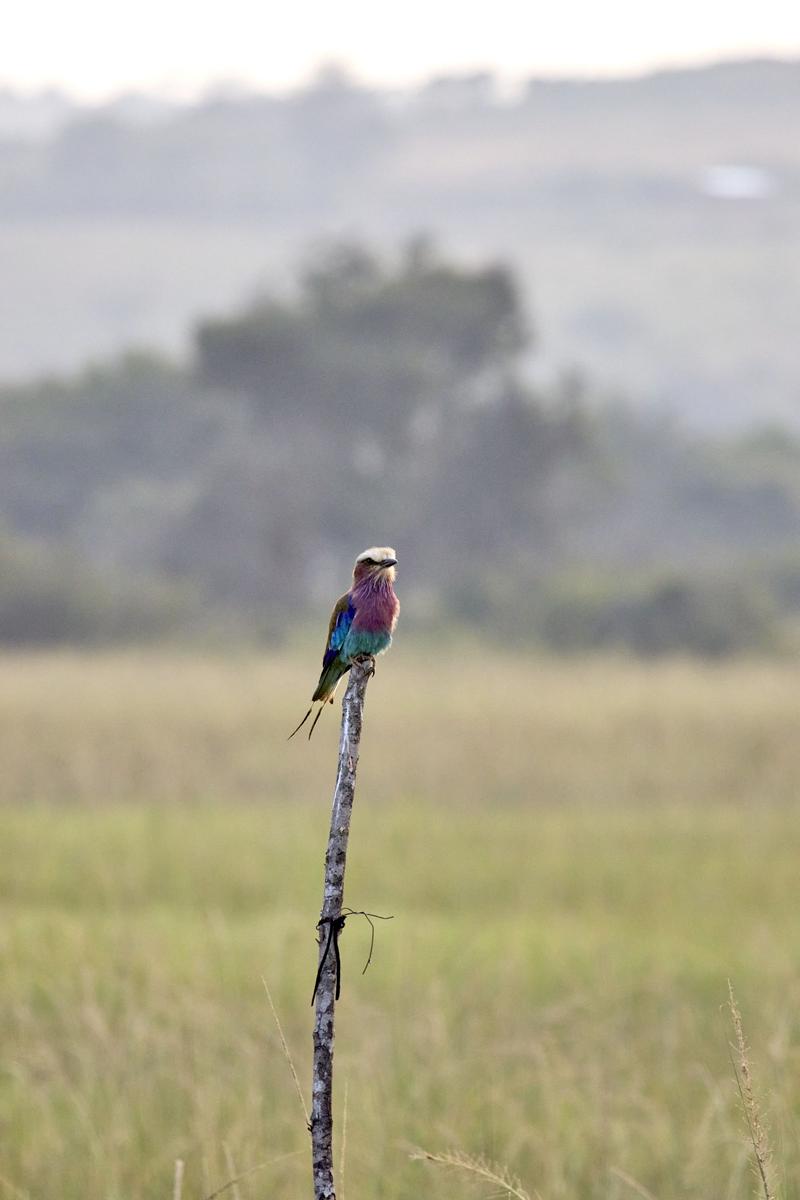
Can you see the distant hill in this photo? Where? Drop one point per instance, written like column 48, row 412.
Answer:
column 654, row 221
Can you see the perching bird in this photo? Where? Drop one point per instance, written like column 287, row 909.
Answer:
column 361, row 625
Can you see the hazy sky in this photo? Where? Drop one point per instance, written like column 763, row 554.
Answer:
column 96, row 47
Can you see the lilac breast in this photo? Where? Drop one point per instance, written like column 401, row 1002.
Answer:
column 376, row 608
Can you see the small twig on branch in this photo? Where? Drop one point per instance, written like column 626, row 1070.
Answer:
column 332, row 916
column 371, row 919
column 335, row 927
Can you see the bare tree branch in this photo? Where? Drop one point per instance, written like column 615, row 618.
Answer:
column 330, row 924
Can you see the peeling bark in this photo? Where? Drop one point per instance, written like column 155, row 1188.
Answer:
column 332, row 900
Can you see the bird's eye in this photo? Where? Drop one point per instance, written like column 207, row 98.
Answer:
column 370, row 562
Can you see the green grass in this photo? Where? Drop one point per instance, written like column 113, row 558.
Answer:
column 577, row 858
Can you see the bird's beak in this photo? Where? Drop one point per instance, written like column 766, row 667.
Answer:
column 388, row 562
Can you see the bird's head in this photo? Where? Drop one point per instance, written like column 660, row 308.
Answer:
column 378, row 562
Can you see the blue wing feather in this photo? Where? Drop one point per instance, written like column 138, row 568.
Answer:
column 339, row 631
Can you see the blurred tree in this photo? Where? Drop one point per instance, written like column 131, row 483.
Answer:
column 385, row 401
column 48, row 596
column 366, row 348
column 664, row 614
column 396, row 386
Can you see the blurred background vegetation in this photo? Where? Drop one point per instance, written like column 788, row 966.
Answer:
column 386, row 397
column 556, row 367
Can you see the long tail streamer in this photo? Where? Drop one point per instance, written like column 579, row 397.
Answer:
column 305, row 718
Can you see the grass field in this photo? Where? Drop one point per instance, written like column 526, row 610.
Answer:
column 577, row 857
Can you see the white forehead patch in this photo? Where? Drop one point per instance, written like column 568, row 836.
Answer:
column 377, row 553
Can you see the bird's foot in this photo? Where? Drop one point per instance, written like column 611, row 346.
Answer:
column 367, row 660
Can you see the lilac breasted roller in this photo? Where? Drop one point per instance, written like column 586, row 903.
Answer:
column 361, row 625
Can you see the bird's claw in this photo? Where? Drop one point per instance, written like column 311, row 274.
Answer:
column 367, row 660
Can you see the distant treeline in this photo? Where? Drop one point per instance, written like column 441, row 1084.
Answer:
column 252, row 154
column 384, row 402
column 653, row 219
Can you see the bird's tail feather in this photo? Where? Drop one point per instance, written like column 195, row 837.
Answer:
column 320, row 711
column 329, row 700
column 329, row 680
column 328, row 683
column 300, row 726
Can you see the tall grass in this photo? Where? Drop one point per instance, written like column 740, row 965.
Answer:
column 572, row 886
column 762, row 1152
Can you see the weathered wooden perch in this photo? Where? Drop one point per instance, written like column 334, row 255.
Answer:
column 332, row 902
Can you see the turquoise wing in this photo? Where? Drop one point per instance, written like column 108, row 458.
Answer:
column 333, row 665
column 338, row 629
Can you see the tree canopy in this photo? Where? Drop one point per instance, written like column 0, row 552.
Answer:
column 384, row 400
